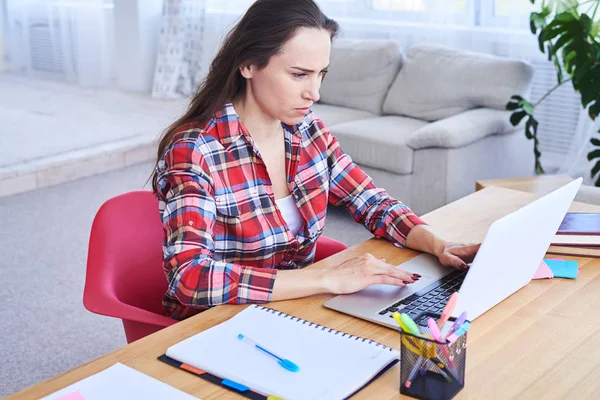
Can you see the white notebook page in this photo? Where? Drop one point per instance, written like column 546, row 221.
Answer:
column 332, row 366
column 120, row 382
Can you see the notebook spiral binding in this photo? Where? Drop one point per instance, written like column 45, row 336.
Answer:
column 323, row 328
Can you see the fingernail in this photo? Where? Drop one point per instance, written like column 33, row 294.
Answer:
column 407, row 282
column 383, row 259
column 416, row 276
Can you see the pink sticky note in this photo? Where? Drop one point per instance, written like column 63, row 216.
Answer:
column 543, row 271
column 72, row 396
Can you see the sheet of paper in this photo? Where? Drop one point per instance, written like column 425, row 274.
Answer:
column 119, row 382
column 563, row 268
column 543, row 272
column 332, row 364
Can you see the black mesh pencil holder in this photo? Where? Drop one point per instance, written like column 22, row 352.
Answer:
column 430, row 369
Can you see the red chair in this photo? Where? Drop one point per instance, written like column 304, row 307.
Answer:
column 124, row 277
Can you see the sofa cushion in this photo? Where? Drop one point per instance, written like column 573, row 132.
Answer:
column 360, row 73
column 333, row 115
column 379, row 142
column 437, row 82
column 462, row 129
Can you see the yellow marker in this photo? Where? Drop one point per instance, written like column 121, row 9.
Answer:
column 409, row 325
column 398, row 320
column 273, row 397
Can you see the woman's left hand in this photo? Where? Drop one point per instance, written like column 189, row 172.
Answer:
column 457, row 255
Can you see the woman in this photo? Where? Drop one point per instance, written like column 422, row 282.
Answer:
column 245, row 176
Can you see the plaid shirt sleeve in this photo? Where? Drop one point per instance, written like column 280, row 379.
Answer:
column 195, row 278
column 371, row 206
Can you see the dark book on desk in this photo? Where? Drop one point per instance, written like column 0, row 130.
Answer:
column 579, row 229
column 580, row 224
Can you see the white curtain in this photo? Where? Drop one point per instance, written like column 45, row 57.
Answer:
column 178, row 70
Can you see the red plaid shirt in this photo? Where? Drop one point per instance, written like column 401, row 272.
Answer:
column 225, row 238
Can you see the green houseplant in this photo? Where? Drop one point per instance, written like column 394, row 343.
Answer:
column 569, row 35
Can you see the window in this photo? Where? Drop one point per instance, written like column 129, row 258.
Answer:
column 502, row 12
column 493, row 13
column 444, row 11
column 229, row 6
column 503, row 8
column 452, row 6
column 399, row 5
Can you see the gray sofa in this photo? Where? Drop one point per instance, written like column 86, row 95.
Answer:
column 425, row 125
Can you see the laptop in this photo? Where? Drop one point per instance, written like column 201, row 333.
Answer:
column 507, row 260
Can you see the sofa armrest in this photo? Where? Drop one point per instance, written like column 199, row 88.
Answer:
column 588, row 194
column 461, row 129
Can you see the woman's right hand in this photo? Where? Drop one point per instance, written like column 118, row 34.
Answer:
column 360, row 272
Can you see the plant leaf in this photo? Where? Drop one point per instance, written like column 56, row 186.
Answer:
column 559, row 71
column 516, row 117
column 560, row 43
column 514, row 103
column 531, row 128
column 590, row 92
column 562, row 15
column 594, row 110
column 595, row 169
column 541, row 40
column 593, row 154
column 536, row 21
column 595, row 31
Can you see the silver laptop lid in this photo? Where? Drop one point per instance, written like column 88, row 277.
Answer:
column 512, row 250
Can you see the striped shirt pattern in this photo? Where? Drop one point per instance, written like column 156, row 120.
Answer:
column 225, row 238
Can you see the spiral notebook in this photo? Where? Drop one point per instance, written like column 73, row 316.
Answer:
column 333, row 364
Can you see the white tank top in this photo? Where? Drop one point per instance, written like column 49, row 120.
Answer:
column 291, row 215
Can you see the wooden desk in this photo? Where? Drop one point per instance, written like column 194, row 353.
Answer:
column 541, row 342
column 541, row 185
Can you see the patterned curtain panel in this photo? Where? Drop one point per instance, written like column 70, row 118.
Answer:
column 178, row 69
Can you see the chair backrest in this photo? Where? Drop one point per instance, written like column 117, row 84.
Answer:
column 125, row 252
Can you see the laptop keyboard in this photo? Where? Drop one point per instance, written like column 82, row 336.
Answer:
column 432, row 298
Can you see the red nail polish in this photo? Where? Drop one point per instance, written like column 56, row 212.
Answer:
column 416, row 275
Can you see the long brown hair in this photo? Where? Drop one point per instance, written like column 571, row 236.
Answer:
column 260, row 34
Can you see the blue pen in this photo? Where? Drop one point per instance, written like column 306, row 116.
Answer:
column 284, row 362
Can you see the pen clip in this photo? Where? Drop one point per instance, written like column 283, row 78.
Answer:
column 234, row 385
